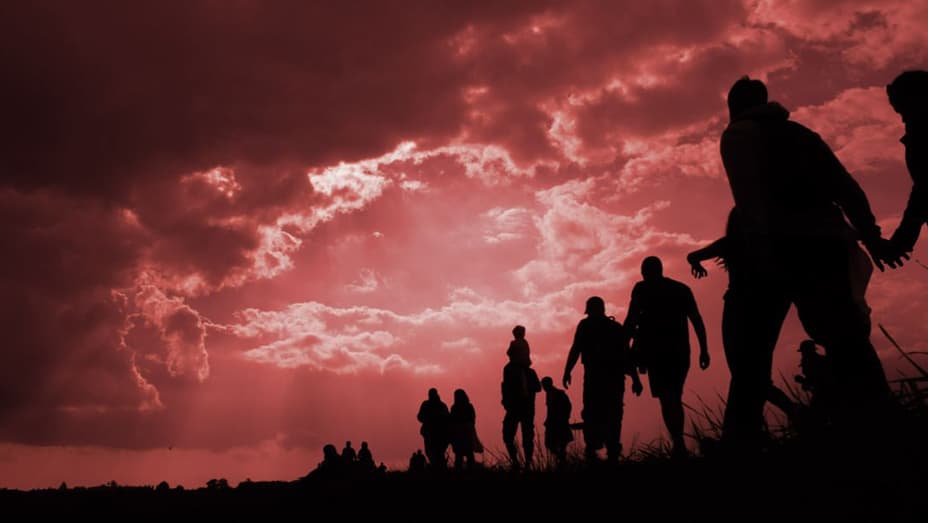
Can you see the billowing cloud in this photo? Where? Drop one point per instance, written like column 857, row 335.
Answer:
column 255, row 228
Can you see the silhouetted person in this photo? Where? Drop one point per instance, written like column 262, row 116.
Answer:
column 417, row 461
column 817, row 379
column 330, row 466
column 348, row 453
column 795, row 247
column 601, row 344
column 463, row 423
column 657, row 319
column 725, row 251
column 908, row 94
column 519, row 387
column 365, row 457
column 433, row 414
column 519, row 351
column 557, row 422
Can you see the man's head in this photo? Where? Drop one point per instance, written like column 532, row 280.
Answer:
column 347, row 444
column 363, row 444
column 547, row 383
column 908, row 94
column 518, row 332
column 745, row 94
column 595, row 306
column 433, row 394
column 652, row 268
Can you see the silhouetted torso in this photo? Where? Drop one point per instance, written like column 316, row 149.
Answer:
column 787, row 183
column 433, row 414
column 519, row 387
column 557, row 421
column 463, row 432
column 662, row 308
column 602, row 343
column 365, row 457
column 349, row 454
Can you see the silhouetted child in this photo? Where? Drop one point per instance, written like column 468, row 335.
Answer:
column 519, row 352
column 557, row 423
column 908, row 94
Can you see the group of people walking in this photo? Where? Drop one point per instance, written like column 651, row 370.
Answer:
column 792, row 239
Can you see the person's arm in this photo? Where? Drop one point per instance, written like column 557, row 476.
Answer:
column 715, row 249
column 634, row 313
column 572, row 358
column 637, row 387
column 700, row 328
column 847, row 194
column 914, row 217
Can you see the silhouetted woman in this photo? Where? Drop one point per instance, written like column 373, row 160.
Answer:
column 464, row 440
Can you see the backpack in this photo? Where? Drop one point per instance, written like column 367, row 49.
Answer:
column 608, row 345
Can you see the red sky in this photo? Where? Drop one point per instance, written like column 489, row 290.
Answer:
column 233, row 232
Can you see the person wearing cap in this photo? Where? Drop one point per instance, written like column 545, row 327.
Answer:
column 601, row 344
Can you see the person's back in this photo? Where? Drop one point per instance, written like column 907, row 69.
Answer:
column 786, row 182
column 348, row 453
column 602, row 343
column 365, row 456
column 559, row 407
column 519, row 386
column 433, row 414
column 665, row 305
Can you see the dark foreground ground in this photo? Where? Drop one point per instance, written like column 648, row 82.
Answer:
column 886, row 483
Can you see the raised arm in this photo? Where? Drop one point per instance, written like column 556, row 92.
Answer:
column 716, row 249
column 914, row 217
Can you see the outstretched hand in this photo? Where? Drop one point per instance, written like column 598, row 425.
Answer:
column 566, row 380
column 698, row 271
column 704, row 360
column 637, row 387
column 885, row 251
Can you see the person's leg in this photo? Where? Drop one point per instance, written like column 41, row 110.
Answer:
column 751, row 322
column 614, row 411
column 592, row 413
column 672, row 411
column 435, row 450
column 832, row 309
column 528, row 437
column 510, row 425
